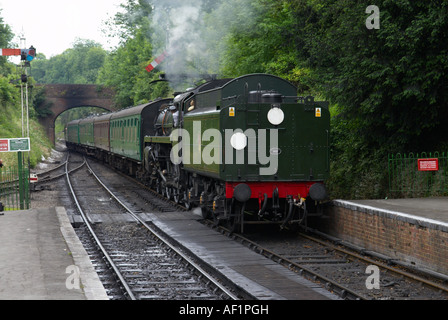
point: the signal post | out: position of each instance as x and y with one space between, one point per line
22 144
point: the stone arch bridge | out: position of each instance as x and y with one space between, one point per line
62 97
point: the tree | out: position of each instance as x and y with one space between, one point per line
77 65
6 36
124 68
392 80
389 84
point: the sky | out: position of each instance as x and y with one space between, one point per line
52 26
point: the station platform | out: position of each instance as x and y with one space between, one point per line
425 211
412 232
39 251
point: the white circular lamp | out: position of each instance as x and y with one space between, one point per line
276 116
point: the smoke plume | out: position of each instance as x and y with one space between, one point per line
194 33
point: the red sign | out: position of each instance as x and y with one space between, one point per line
430 164
33 178
4 145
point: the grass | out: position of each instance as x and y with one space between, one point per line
11 127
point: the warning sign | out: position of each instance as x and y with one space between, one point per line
15 145
4 145
430 164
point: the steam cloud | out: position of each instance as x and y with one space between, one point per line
177 27
194 33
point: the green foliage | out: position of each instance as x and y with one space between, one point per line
133 18
8 94
5 37
9 97
78 65
10 108
389 84
11 126
124 68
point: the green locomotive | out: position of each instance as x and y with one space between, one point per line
245 150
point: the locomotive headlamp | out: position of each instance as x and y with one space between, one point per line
238 141
276 116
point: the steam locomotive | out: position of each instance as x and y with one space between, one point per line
245 150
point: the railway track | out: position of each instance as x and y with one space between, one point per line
336 267
146 265
345 272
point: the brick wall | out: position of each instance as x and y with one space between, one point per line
418 242
62 97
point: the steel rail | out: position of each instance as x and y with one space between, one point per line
97 240
375 262
284 261
166 242
62 175
53 169
341 290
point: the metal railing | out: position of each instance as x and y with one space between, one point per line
14 188
418 174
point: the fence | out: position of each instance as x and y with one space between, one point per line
418 175
14 188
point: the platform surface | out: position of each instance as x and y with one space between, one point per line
263 278
39 251
432 211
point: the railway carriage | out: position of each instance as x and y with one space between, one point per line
101 132
86 136
127 131
72 133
